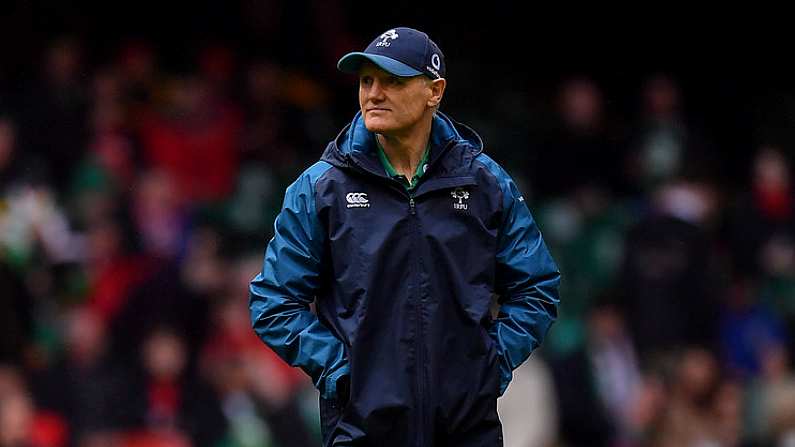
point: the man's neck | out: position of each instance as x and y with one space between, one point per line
405 151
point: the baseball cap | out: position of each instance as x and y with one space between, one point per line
400 51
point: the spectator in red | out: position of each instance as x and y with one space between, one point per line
764 218
195 137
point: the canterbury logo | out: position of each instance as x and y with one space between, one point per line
357 200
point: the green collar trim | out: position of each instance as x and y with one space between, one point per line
392 173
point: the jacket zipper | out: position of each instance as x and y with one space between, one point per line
418 344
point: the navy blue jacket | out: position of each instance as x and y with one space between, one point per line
403 283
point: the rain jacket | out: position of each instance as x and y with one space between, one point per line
402 343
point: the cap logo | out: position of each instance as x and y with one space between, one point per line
435 61
391 34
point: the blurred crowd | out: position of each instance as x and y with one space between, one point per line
136 201
134 209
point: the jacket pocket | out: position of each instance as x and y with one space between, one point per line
332 409
496 365
329 417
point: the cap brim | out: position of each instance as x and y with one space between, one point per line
351 62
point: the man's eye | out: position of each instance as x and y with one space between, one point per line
366 81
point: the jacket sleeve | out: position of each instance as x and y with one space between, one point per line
279 296
527 281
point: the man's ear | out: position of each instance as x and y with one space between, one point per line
437 91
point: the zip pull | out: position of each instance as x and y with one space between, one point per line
411 205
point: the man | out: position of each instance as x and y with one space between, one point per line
402 233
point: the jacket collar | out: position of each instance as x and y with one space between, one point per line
355 145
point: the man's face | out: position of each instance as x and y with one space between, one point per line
391 104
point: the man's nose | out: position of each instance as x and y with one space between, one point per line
375 92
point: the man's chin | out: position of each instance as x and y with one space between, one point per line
375 126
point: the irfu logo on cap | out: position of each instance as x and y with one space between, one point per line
391 34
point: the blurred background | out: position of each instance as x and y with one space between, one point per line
144 152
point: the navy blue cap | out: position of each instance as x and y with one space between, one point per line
400 51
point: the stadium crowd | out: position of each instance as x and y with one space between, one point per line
136 198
